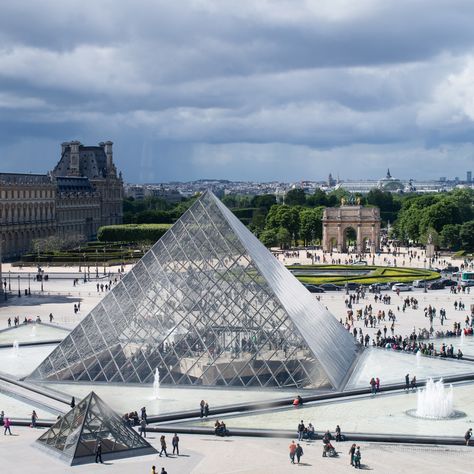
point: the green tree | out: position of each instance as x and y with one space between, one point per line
466 234
311 224
283 237
449 237
318 198
295 197
268 237
286 217
265 201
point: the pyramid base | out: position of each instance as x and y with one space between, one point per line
129 453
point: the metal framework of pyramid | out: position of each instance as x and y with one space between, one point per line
74 437
207 305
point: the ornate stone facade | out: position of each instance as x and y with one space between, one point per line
82 193
364 220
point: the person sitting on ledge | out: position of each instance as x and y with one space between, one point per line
220 429
310 432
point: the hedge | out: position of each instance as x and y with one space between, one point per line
132 232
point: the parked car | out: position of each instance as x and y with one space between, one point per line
449 282
379 286
401 287
436 285
330 287
418 284
360 262
451 269
314 288
351 286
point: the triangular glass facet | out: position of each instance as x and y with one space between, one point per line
207 305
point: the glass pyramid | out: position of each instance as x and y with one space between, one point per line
207 305
74 437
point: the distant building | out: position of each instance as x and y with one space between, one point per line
469 177
82 193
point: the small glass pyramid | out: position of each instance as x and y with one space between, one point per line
207 305
75 436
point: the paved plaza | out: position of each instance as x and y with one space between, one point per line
207 454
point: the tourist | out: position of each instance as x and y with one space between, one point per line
372 385
413 383
467 436
163 445
298 453
6 424
202 405
98 452
2 417
301 429
34 417
143 414
338 433
153 470
292 448
377 385
357 457
352 452
73 403
310 432
51 317
143 428
206 409
163 471
175 443
407 382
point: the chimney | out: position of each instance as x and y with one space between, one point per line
74 158
109 155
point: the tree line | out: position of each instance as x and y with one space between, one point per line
447 217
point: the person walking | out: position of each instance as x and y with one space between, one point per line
6 424
292 448
143 413
175 443
351 453
206 409
163 446
201 406
372 386
98 452
357 457
467 436
143 428
34 417
298 453
407 382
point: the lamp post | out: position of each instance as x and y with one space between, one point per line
9 281
42 279
104 260
29 287
5 288
19 291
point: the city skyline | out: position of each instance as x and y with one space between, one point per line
258 92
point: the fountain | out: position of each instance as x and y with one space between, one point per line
156 384
16 348
418 359
435 402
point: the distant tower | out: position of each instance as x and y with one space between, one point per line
469 176
331 181
389 176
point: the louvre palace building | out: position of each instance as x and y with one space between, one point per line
82 193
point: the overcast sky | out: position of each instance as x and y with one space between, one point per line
247 89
